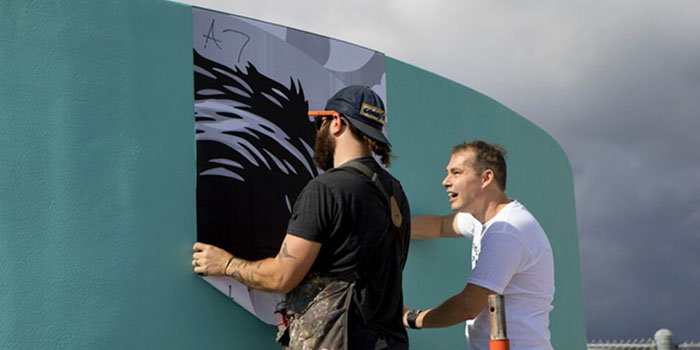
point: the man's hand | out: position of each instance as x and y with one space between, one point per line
209 260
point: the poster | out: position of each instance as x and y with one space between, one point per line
253 85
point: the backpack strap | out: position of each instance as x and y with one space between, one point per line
388 241
395 212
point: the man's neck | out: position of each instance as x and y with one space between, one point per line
491 207
349 150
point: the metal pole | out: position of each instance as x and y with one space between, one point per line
664 339
497 320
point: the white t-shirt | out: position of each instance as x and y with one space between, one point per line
511 255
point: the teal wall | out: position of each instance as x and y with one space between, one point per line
428 116
97 208
97 211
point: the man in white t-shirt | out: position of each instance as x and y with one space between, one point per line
511 254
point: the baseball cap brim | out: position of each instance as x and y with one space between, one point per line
371 131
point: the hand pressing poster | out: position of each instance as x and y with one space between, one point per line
254 83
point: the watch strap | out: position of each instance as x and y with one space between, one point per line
411 318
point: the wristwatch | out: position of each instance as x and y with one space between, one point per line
411 318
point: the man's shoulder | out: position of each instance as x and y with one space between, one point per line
349 179
520 224
375 167
351 172
337 177
517 214
336 182
515 218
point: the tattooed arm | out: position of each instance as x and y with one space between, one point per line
279 274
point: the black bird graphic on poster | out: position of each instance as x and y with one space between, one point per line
254 155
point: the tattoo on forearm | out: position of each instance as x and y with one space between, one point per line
242 268
252 280
285 253
237 275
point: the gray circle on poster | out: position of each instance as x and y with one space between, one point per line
317 47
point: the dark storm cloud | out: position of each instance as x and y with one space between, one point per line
629 126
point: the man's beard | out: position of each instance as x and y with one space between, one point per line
324 149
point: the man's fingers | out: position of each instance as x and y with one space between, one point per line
198 247
207 259
200 270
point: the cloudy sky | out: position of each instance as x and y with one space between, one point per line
617 83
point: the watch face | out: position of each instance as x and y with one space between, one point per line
411 318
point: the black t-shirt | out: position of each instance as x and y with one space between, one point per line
344 211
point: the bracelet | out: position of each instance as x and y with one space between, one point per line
227 264
411 318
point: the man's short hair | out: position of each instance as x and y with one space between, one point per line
487 156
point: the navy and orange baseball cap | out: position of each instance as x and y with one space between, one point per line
362 107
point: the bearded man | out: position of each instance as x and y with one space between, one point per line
341 260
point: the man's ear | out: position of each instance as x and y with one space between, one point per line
336 127
487 177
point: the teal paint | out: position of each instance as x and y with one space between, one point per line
97 216
428 115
